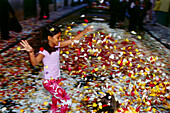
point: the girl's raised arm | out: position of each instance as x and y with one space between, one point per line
34 60
77 37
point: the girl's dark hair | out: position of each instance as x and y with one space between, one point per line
41 39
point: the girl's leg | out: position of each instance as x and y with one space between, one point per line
59 95
54 107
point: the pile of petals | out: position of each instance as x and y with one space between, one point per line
114 62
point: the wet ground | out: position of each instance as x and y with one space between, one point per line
108 64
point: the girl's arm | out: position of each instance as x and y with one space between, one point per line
34 60
77 37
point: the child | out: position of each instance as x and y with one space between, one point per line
49 54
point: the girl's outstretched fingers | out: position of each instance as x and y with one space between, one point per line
26 46
89 29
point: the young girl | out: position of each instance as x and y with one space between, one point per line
49 53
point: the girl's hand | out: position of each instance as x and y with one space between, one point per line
88 29
26 46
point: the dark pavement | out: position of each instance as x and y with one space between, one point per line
160 33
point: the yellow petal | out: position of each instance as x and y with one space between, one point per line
138 66
21 110
67 52
100 107
96 69
139 37
136 50
129 47
86 87
127 40
88 105
149 108
18 48
119 62
138 53
98 58
115 47
45 103
94 105
103 67
124 77
130 64
84 24
61 51
81 95
94 35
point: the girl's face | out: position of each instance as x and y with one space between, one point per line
55 39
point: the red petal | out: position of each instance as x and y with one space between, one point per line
85 20
132 94
90 44
128 81
78 32
129 74
137 109
105 105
